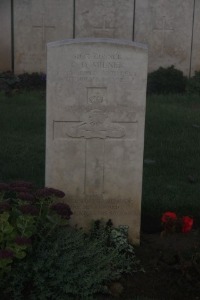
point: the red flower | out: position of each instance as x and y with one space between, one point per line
187 224
168 216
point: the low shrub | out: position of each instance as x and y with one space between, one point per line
193 86
26 214
166 81
72 264
32 81
10 83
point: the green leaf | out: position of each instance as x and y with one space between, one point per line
26 225
4 217
20 254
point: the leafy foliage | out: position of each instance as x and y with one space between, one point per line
26 214
72 264
166 81
10 83
32 81
193 86
117 238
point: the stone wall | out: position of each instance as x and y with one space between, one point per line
171 29
104 18
37 22
166 26
5 36
195 57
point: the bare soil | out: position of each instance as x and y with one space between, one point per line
171 269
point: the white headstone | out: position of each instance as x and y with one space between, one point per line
166 26
96 95
104 18
37 22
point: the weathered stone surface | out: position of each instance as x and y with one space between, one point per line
195 66
104 18
95 128
166 26
5 35
37 22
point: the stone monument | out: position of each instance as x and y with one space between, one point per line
104 18
37 22
166 26
96 95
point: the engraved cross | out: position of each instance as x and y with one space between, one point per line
43 27
96 127
106 28
96 124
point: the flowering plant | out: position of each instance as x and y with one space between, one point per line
27 214
173 223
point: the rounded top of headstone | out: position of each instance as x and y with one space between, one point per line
121 42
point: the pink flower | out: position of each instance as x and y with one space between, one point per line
5 206
29 210
187 224
49 192
4 186
168 216
62 209
21 183
20 189
57 193
22 241
6 254
26 196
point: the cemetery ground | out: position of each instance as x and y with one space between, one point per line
171 182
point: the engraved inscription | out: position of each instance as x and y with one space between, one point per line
96 55
96 203
95 127
97 95
98 66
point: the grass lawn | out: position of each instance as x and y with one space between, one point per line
171 156
172 141
22 136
